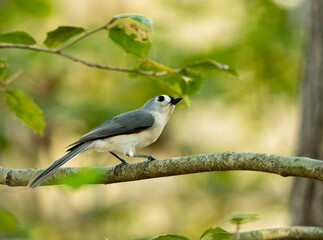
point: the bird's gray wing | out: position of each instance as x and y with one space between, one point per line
126 123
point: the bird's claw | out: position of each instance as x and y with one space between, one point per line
117 167
144 164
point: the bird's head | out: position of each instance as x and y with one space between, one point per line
163 104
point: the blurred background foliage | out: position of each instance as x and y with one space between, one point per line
262 40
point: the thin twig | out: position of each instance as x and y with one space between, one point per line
6 82
28 47
96 65
13 77
84 35
84 62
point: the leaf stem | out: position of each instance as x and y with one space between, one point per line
237 231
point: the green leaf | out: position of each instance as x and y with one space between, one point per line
8 221
240 218
194 81
61 34
24 108
131 32
216 234
3 69
17 37
170 237
177 84
210 64
86 176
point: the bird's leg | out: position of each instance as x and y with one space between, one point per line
123 162
149 159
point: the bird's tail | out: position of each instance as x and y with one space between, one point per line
51 169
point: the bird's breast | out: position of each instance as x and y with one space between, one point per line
128 143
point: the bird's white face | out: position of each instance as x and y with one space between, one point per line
164 104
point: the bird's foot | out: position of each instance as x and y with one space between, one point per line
144 164
118 167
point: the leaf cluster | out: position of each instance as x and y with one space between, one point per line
129 31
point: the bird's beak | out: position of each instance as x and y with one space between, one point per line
174 101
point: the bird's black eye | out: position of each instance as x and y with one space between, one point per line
161 98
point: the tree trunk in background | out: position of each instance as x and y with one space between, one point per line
306 202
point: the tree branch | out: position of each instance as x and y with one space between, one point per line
288 233
74 59
229 161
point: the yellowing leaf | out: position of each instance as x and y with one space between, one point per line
166 76
176 83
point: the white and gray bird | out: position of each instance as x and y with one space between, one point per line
123 134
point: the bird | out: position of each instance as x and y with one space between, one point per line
123 134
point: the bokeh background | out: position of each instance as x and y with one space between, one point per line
262 40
